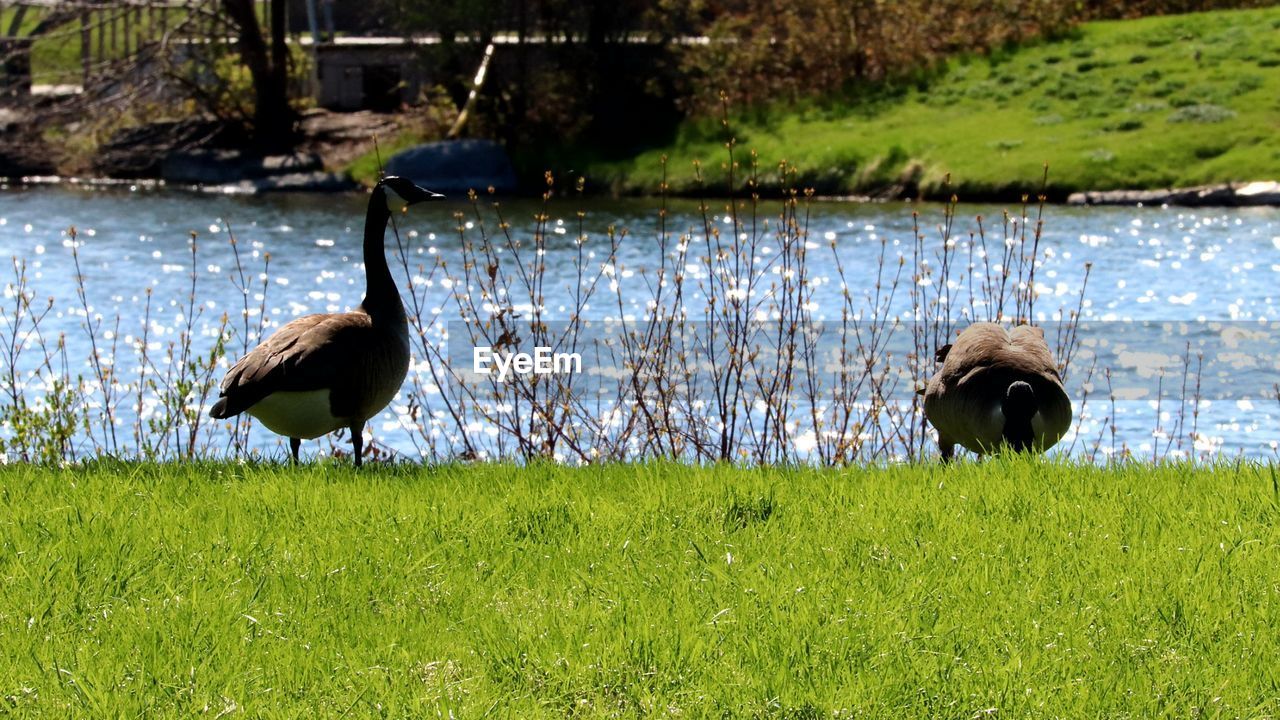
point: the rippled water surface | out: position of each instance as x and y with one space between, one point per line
1158 278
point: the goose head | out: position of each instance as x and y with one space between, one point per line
406 190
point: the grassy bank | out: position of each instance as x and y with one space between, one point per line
1013 587
1150 103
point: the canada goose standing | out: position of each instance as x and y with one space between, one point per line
320 373
997 387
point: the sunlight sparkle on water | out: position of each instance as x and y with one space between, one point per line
1197 270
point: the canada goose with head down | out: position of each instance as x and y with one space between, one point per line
321 373
997 388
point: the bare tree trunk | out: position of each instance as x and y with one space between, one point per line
274 119
15 66
279 50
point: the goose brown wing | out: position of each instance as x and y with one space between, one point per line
305 354
1021 352
1034 357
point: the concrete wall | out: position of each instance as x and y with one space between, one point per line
366 76
352 73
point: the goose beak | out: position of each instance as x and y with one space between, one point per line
407 191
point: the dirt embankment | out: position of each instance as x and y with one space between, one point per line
191 151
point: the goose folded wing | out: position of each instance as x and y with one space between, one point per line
306 354
1033 350
973 373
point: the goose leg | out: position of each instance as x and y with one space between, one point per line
357 442
294 444
947 448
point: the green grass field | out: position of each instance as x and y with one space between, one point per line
1011 588
1157 102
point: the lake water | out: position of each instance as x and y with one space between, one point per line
1164 285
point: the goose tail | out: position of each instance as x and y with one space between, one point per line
1019 406
220 411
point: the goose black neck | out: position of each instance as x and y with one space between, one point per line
381 298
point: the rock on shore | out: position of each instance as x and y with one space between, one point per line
22 150
238 172
200 153
453 166
1223 195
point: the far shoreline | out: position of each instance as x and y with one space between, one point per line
1257 193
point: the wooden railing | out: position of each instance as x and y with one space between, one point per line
107 34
